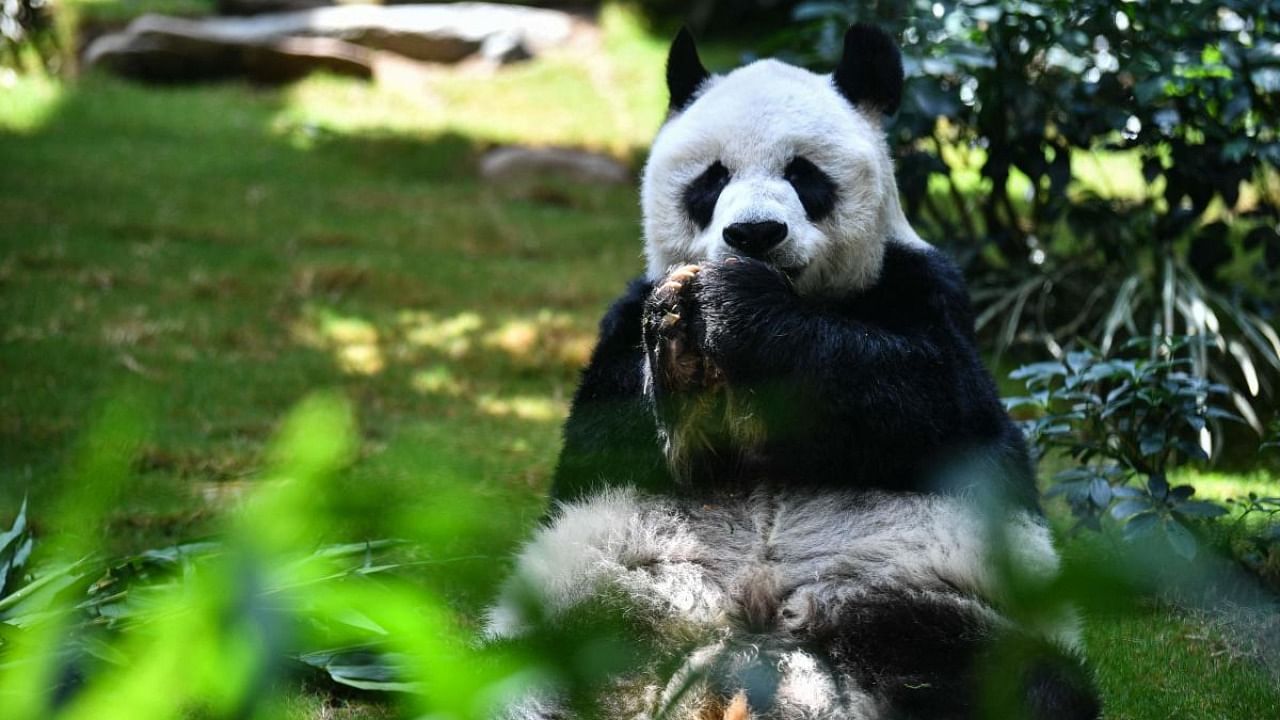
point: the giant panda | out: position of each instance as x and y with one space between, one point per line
785 466
791 322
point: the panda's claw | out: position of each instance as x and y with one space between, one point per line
676 353
670 293
684 273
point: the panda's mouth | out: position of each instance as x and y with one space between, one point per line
785 260
782 259
791 271
785 263
786 266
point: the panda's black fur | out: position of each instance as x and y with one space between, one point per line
883 389
795 490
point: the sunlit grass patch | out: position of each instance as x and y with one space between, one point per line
1227 486
352 340
438 380
545 339
453 336
27 101
326 103
466 343
525 407
608 95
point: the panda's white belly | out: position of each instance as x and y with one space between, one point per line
745 571
703 561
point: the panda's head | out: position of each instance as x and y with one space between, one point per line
774 162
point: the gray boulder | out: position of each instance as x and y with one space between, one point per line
161 48
259 7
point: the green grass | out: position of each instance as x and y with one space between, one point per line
183 241
1225 486
222 251
119 12
1159 664
610 100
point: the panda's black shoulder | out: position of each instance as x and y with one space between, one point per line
610 432
627 304
620 325
918 271
915 282
613 369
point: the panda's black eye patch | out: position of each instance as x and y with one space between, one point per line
817 191
700 196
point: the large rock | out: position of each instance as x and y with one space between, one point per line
155 47
164 49
259 7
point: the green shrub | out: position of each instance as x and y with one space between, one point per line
1125 423
1255 536
1105 169
27 34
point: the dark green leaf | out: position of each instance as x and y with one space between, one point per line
1152 444
1158 486
1140 525
1100 492
1036 370
15 548
1014 403
1180 538
363 669
1129 508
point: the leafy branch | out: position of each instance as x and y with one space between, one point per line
1125 423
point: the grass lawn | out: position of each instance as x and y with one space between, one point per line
222 251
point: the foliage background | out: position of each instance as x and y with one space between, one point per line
1107 168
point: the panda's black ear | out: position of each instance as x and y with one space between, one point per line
870 70
685 72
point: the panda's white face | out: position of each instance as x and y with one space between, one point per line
771 161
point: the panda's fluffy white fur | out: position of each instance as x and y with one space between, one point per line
839 559
755 120
756 593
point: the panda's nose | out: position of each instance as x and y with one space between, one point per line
755 238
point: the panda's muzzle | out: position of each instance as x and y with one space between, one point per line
755 239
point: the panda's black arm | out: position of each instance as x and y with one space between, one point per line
765 337
611 437
871 388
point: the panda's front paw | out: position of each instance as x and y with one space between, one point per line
742 285
671 339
